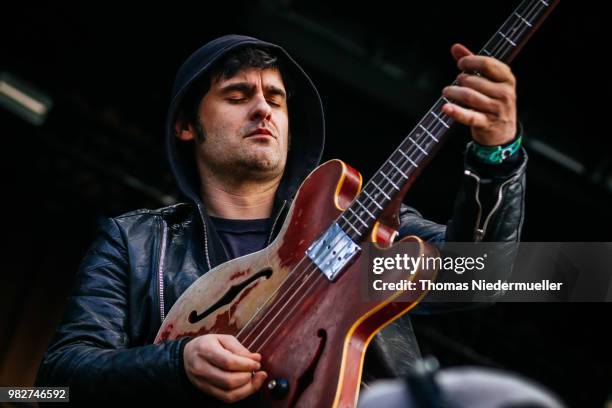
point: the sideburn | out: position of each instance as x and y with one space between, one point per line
200 137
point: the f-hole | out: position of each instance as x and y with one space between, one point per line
229 296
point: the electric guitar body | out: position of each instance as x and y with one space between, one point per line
311 332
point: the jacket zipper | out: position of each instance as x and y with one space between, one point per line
205 238
479 233
160 273
162 256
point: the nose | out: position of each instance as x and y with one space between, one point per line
261 109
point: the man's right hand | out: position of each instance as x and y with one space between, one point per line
220 366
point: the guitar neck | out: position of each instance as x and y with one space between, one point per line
399 171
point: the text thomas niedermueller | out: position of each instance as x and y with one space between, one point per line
480 284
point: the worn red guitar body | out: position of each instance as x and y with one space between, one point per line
314 335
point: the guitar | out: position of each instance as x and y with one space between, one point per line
299 301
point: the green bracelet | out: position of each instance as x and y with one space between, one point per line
495 154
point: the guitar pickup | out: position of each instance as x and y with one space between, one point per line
332 251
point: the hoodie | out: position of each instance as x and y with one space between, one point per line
306 121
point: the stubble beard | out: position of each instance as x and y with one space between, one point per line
260 165
248 163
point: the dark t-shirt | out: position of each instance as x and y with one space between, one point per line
242 237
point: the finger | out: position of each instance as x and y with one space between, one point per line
466 116
225 380
258 379
459 51
237 394
492 89
228 361
471 98
232 344
490 67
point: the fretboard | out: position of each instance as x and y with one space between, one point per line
417 149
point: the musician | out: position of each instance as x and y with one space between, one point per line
244 128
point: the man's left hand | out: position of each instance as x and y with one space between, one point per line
485 102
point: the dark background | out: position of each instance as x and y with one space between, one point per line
109 71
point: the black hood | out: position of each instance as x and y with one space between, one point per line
306 120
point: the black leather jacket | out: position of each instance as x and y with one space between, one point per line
142 261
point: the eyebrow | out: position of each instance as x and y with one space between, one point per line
248 89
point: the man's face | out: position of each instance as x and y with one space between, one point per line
245 123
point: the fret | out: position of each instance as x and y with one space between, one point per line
381 190
523 19
440 120
486 52
399 170
372 200
389 180
408 158
358 217
507 39
428 132
543 2
418 146
351 225
365 208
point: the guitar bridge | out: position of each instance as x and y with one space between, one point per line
332 251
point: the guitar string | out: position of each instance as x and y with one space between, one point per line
310 272
502 46
513 29
307 272
295 280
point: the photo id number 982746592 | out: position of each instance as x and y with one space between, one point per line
34 394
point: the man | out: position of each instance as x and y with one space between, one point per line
244 128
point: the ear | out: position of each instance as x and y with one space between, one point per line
183 130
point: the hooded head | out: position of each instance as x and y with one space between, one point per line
305 114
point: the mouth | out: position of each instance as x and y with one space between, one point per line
260 132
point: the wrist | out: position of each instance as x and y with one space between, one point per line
183 362
496 154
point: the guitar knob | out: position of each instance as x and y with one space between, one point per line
278 388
